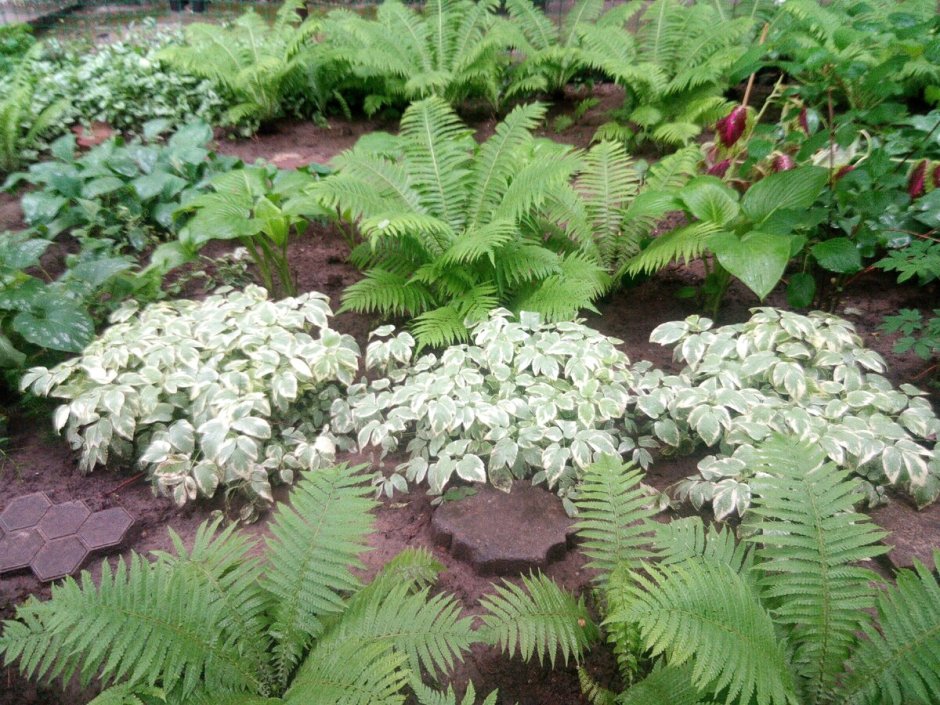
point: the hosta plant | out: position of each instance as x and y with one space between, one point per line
449 50
231 391
454 229
790 615
783 372
525 399
212 623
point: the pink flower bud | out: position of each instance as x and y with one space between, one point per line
916 183
804 123
731 127
719 169
783 162
843 170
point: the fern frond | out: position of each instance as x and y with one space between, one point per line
428 630
708 616
689 538
413 567
532 183
537 28
350 673
897 663
143 624
613 511
579 281
812 541
313 542
522 262
665 684
606 183
484 241
435 146
686 243
428 696
433 235
675 170
124 694
595 693
537 618
387 293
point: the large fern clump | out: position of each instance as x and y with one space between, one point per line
675 64
448 50
214 624
262 66
453 229
788 616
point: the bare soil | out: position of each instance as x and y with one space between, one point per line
37 460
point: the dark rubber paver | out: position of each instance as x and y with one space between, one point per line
63 519
58 558
24 511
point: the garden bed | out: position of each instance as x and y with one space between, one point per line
38 461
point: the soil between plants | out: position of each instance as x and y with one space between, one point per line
38 461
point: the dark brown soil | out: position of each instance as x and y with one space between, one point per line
38 461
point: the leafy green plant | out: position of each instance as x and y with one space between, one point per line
15 42
122 83
523 399
674 67
449 51
452 228
920 259
22 129
208 625
259 206
230 391
785 616
750 237
782 372
919 334
257 63
119 194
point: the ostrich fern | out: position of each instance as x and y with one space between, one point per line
674 67
783 617
215 625
448 51
258 64
452 229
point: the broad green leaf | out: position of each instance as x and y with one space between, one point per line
708 198
10 357
41 207
65 327
102 186
796 188
801 290
839 255
757 259
471 469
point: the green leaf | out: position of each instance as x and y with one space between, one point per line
801 290
152 185
708 198
64 327
101 187
797 188
838 255
10 357
757 259
41 207
471 469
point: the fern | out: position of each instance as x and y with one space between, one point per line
537 619
204 626
813 567
455 228
450 50
613 511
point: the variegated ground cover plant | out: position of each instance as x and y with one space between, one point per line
524 399
783 372
230 391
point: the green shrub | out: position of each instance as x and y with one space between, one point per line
455 229
231 391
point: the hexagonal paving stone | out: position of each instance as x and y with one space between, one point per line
58 558
63 519
24 511
105 528
17 549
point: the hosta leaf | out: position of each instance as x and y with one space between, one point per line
757 259
796 188
64 327
708 198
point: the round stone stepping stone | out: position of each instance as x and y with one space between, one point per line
501 533
17 548
58 558
63 519
24 511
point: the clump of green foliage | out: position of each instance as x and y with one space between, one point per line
449 50
786 616
231 391
782 372
208 625
453 229
523 400
256 63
